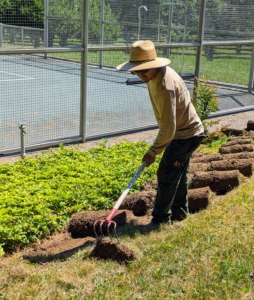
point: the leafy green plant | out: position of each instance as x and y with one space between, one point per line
204 100
38 195
1 251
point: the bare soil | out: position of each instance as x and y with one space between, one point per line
62 245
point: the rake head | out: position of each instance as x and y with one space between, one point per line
108 222
102 224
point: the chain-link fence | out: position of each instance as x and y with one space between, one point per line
63 85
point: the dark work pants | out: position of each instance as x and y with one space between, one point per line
172 194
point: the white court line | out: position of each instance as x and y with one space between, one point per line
24 77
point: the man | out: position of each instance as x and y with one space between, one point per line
180 130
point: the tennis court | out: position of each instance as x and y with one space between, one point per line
44 94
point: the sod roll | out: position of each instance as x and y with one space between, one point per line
199 199
236 149
219 182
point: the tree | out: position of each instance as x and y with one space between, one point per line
111 32
29 13
67 23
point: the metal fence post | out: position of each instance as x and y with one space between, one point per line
46 25
84 59
1 35
22 142
251 79
101 31
22 37
200 40
170 20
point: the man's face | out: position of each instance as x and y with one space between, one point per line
147 75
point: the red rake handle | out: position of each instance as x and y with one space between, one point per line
125 192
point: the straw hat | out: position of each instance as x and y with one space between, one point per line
142 57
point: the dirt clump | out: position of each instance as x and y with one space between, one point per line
245 166
199 199
250 125
206 158
236 141
196 154
251 134
232 138
219 182
240 155
236 148
112 249
233 131
139 203
199 167
81 224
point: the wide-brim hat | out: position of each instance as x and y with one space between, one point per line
143 57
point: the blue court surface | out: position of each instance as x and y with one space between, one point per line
44 94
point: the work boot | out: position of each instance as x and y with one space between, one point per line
179 217
155 225
152 225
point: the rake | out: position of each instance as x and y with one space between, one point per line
108 221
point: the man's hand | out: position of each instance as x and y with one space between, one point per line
148 159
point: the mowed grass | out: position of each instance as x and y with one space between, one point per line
207 256
231 68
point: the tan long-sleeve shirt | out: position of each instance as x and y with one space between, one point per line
173 110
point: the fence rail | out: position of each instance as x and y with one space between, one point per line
11 33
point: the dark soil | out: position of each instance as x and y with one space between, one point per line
206 158
245 166
240 155
236 148
250 125
111 249
233 131
81 224
219 182
199 199
62 245
236 141
140 203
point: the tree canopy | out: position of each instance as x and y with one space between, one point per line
65 16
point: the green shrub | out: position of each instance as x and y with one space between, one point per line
204 100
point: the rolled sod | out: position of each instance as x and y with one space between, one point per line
140 203
219 182
239 141
199 199
250 125
245 166
236 149
81 224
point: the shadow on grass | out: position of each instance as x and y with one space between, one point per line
41 258
130 229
